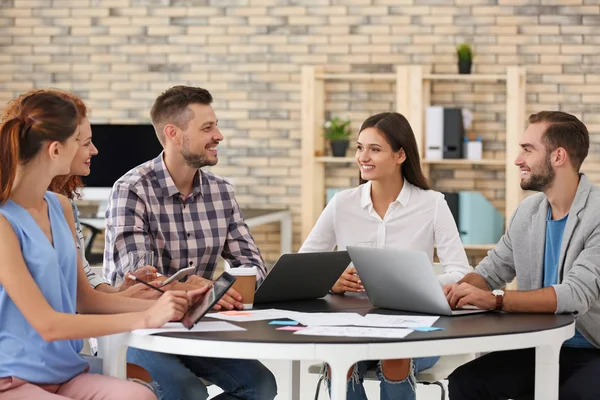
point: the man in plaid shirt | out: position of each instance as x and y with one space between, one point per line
185 217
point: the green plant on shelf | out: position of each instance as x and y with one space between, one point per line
464 52
337 129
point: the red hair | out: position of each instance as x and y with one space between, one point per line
29 121
69 185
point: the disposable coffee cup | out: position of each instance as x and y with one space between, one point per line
245 284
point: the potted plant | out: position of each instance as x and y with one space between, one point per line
465 58
337 131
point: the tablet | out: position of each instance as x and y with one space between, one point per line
208 301
179 275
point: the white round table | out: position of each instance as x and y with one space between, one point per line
461 334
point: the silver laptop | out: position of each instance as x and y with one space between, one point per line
401 280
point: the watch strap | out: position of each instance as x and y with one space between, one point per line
499 302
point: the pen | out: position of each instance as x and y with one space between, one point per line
132 277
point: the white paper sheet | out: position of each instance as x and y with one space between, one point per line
326 319
203 326
370 320
398 321
253 315
353 331
331 319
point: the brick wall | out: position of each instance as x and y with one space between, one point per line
120 54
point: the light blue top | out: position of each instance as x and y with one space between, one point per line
554 236
23 352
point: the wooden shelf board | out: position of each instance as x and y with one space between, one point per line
465 77
464 162
483 247
358 77
345 160
335 160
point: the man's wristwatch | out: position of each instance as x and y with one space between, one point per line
499 299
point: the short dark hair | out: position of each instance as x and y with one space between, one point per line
171 107
565 131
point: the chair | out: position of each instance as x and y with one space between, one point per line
92 258
431 376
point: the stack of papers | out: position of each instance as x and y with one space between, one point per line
353 331
204 326
330 319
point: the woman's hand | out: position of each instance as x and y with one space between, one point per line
146 274
140 291
197 294
348 282
169 307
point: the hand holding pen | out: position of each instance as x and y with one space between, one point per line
134 278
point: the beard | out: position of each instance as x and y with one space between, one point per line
195 160
540 181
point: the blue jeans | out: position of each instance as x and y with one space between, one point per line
388 390
177 376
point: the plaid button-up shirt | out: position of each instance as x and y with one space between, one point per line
146 212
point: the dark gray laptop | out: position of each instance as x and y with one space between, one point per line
302 276
401 280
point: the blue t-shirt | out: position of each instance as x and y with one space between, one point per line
554 236
53 267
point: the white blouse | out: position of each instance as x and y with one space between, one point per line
418 220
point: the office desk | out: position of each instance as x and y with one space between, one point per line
464 334
252 217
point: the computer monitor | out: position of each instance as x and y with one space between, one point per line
120 148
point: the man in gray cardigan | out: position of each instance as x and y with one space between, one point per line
552 247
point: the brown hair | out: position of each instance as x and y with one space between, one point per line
69 185
398 133
565 131
30 120
171 107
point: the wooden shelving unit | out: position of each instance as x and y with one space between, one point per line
413 95
464 162
419 92
480 247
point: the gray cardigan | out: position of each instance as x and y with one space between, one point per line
520 252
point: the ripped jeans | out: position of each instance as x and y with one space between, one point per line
388 390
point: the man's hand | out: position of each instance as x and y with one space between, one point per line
197 280
231 300
465 294
449 288
348 282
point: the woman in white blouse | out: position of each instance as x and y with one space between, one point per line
392 207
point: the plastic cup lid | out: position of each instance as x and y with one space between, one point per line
243 271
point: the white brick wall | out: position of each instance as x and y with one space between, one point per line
120 54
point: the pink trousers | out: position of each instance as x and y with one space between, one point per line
85 386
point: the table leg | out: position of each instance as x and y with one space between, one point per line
546 371
295 379
286 234
113 351
339 381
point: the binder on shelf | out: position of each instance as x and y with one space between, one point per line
444 133
454 132
330 193
452 200
478 220
434 133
